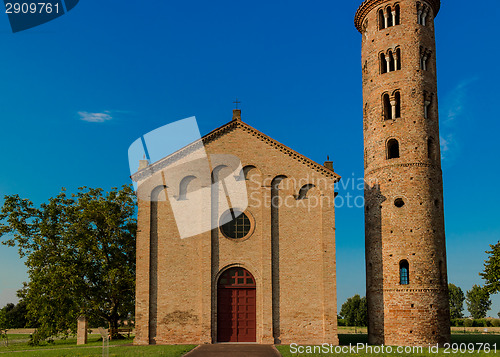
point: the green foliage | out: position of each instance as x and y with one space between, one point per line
80 252
468 322
457 322
479 323
491 273
340 322
478 302
355 311
3 320
457 299
13 316
495 322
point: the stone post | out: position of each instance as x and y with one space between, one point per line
81 337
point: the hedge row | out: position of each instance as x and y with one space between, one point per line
458 322
475 322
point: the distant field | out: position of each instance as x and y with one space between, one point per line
476 330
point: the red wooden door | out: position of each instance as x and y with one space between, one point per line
236 307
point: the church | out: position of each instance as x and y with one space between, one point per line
243 249
263 268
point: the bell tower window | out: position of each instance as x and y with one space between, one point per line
425 56
396 105
390 61
397 15
404 272
427 104
392 149
387 107
398 59
383 64
431 149
422 14
381 20
388 17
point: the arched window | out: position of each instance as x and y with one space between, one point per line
427 104
304 190
404 272
392 149
425 56
398 59
397 109
425 14
389 17
419 13
387 107
236 277
392 66
431 148
183 186
244 172
381 19
364 27
422 14
397 19
383 64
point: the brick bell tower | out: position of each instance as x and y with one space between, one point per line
406 279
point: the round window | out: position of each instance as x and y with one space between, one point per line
399 203
235 224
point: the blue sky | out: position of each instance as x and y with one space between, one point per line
76 92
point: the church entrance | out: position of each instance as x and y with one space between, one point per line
236 306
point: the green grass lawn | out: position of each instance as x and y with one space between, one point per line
20 342
59 351
18 346
67 347
346 339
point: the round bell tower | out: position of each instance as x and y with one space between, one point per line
407 285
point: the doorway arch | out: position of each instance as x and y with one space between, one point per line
236 306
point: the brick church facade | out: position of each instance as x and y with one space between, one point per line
267 276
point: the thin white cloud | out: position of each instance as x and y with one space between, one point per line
455 102
455 106
449 146
95 117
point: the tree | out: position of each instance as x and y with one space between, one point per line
478 302
457 299
355 311
80 252
491 273
13 316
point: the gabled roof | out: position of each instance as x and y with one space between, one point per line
221 131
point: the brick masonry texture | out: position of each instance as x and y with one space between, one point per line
177 278
416 313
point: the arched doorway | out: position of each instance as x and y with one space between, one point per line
236 306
